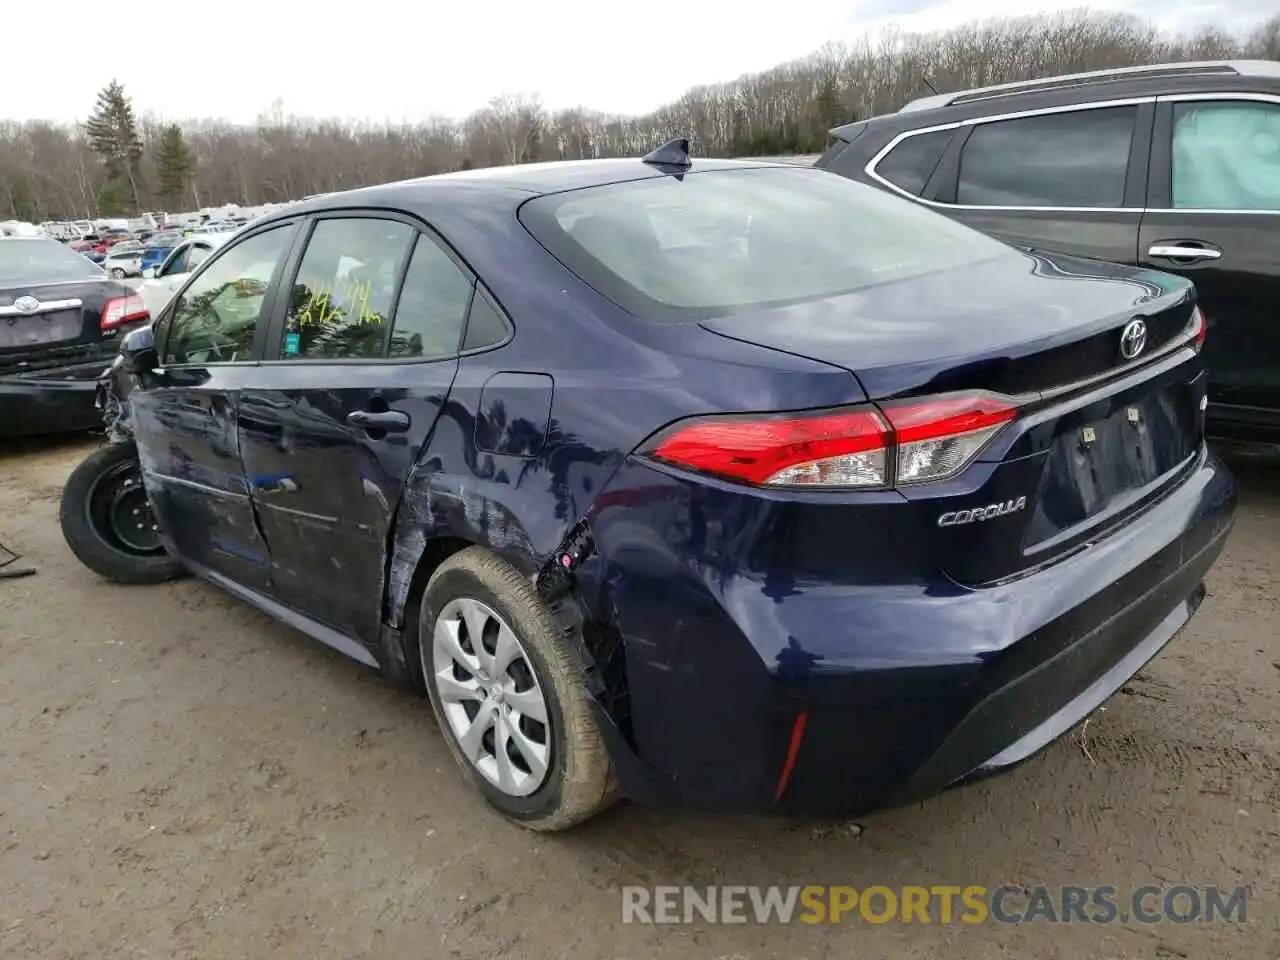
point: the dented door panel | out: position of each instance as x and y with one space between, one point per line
186 434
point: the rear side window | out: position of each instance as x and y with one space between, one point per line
1226 156
1076 159
432 307
727 241
911 163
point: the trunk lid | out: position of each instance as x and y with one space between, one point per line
55 324
1099 436
1016 324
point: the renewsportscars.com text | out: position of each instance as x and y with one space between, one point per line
935 904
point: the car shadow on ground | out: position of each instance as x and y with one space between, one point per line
43 445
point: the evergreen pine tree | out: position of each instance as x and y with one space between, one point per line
175 165
113 135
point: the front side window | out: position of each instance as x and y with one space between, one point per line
911 163
177 262
214 319
1076 159
341 302
1226 156
728 241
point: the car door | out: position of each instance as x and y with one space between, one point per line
1066 180
363 353
1214 217
209 340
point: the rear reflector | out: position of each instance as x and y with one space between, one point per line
123 310
1199 328
860 447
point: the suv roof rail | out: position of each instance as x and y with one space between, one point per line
1245 68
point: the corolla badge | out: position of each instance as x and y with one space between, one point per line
978 514
1133 339
26 304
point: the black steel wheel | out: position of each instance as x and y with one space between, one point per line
107 520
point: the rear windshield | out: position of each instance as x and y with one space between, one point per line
42 261
728 241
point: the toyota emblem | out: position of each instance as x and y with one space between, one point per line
26 304
1133 340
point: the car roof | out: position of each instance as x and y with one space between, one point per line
1156 72
512 184
215 239
1064 90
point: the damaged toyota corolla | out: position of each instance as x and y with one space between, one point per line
727 484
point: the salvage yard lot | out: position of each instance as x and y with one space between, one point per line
183 778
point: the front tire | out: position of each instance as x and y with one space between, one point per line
107 522
508 691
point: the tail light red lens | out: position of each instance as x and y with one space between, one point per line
123 310
829 449
861 447
1199 328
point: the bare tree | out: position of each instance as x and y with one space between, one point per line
50 171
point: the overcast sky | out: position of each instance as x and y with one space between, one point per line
409 59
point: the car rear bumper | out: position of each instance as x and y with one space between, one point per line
59 400
839 698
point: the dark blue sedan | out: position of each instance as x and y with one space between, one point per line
728 484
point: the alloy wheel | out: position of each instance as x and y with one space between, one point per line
490 696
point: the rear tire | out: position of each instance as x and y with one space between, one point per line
107 521
554 772
117 273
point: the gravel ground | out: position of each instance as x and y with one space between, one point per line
184 778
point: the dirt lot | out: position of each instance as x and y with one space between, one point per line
183 778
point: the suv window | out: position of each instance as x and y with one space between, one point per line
345 289
1076 159
911 163
432 306
1226 156
214 319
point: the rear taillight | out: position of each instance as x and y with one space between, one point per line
1199 329
897 443
123 310
938 437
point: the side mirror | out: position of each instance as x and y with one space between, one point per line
150 273
138 350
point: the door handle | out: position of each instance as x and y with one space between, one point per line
1183 251
392 421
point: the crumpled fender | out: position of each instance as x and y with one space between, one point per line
114 387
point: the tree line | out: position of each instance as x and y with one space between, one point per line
117 162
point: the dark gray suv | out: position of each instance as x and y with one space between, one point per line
1174 167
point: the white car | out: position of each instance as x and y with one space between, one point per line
124 260
160 283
